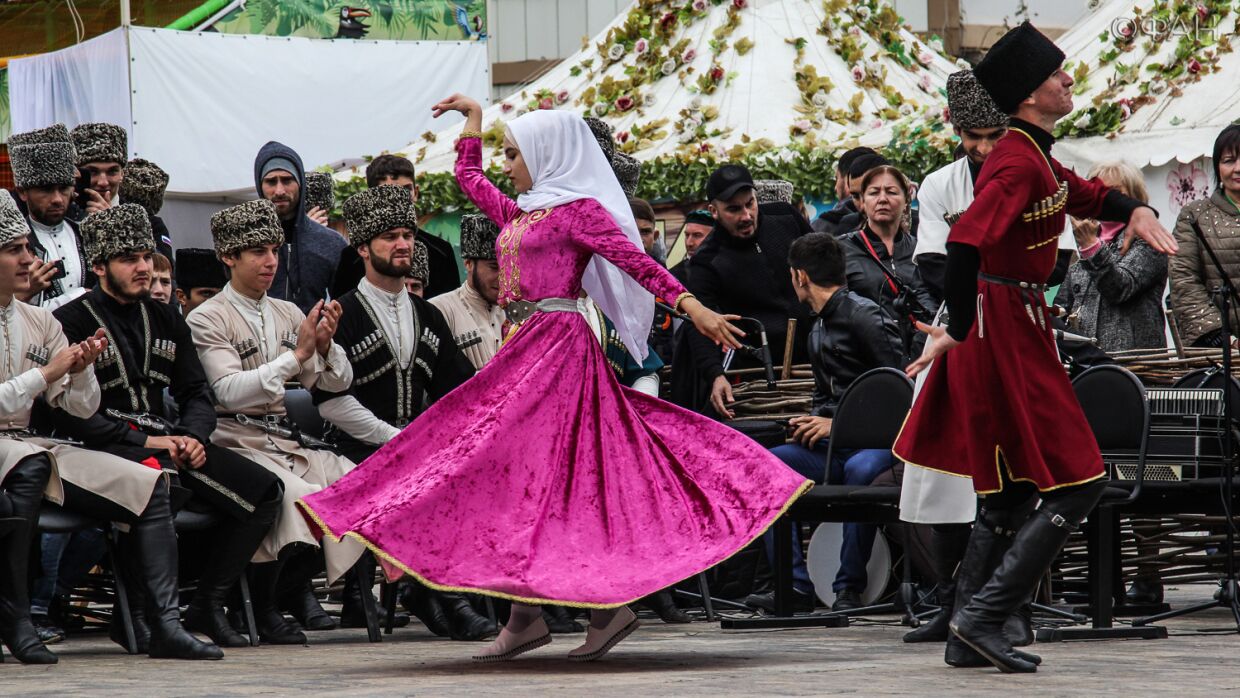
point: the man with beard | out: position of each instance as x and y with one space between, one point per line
150 350
403 358
102 153
697 226
444 274
741 269
250 346
472 312
109 488
43 169
308 257
199 276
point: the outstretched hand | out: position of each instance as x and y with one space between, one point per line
1144 224
937 344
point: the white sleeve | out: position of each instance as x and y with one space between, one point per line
932 227
18 392
235 388
1067 239
81 393
355 420
648 385
62 299
333 374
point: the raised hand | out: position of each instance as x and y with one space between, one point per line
1144 224
329 319
463 104
936 346
91 348
60 363
307 334
718 328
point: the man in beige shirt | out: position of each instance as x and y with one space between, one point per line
472 312
251 345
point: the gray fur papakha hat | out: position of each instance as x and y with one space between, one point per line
42 158
370 213
970 105
144 184
772 190
420 263
628 171
319 190
478 235
603 134
240 227
116 231
12 222
100 142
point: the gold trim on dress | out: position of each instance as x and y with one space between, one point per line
374 548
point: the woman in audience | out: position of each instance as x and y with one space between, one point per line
1110 294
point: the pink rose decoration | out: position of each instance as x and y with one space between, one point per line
1202 12
561 96
641 46
1194 66
624 103
739 4
858 73
689 56
623 136
545 103
716 73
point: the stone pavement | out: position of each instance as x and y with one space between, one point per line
696 659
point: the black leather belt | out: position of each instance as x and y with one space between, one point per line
1027 285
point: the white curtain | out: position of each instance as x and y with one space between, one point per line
82 83
204 102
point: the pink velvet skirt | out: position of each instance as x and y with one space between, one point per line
542 480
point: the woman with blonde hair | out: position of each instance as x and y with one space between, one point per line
1112 295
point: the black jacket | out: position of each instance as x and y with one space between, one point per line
852 335
310 252
133 373
867 279
746 277
838 220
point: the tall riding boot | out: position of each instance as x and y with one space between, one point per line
980 622
423 603
948 542
130 569
23 490
296 594
466 623
233 545
155 542
272 628
988 543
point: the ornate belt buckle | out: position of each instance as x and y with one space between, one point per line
518 312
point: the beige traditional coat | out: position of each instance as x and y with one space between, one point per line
246 348
29 337
477 326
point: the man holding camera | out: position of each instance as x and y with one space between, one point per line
43 164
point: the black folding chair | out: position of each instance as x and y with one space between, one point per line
870 414
1115 406
56 519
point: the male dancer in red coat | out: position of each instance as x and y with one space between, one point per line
998 406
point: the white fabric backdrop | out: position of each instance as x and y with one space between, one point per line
203 103
86 82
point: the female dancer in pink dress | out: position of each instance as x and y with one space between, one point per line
542 480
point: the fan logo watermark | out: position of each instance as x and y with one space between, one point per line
1129 28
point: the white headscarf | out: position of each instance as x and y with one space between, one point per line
567 164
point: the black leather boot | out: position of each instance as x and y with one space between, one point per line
358 581
233 545
23 491
466 623
296 594
273 629
980 622
991 537
155 542
423 603
662 604
948 542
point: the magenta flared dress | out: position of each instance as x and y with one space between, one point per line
542 479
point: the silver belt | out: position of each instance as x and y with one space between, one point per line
520 311
279 425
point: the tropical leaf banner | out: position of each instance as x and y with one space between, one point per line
402 20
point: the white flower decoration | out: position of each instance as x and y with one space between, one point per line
695 104
924 58
924 83
668 67
863 12
649 99
687 136
599 109
803 125
906 109
937 44
616 52
820 99
1082 121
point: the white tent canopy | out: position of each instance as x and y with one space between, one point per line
1173 118
770 89
201 104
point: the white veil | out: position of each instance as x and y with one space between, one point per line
567 164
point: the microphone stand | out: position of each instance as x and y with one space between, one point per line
762 352
1227 596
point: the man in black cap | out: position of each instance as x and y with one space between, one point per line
43 168
830 221
150 350
310 251
741 269
696 228
199 276
995 384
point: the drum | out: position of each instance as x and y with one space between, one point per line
766 432
823 561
